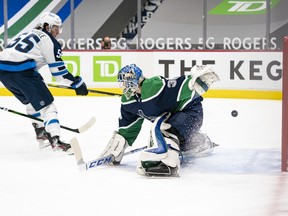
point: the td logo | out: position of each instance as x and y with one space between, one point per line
72 64
240 7
105 68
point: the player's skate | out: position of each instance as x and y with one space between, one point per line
58 145
200 146
41 136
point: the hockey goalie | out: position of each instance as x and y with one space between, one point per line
174 106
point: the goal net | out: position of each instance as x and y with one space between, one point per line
284 160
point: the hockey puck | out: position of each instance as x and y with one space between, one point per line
234 113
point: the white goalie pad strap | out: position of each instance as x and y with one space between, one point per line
165 126
172 157
150 156
115 147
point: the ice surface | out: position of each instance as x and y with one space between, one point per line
241 178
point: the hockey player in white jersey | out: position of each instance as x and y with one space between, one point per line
19 64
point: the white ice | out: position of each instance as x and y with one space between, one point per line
241 178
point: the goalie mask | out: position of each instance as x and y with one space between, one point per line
51 19
129 79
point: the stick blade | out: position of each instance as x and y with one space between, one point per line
87 125
77 153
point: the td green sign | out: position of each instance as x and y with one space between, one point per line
242 7
105 68
72 64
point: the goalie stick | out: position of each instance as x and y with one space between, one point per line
82 165
89 90
81 129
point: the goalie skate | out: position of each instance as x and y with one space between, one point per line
162 170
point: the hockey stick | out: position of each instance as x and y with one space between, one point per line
82 165
89 90
81 129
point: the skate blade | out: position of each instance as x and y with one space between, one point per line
140 171
43 145
61 152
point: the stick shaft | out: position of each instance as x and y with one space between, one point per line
37 119
82 165
89 90
110 158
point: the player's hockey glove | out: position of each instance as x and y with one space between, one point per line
79 86
115 147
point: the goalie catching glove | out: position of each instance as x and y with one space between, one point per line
202 78
79 86
115 147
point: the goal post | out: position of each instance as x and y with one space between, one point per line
284 157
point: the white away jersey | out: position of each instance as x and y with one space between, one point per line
33 49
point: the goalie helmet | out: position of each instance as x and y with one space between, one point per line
129 78
51 19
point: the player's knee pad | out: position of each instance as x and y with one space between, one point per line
51 121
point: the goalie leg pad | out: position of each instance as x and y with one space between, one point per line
162 159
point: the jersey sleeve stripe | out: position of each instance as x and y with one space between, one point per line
56 64
60 73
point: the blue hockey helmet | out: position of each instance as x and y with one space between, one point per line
129 78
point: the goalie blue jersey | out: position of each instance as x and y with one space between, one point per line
158 95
